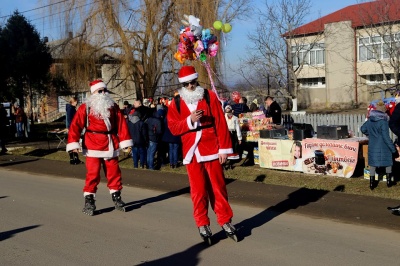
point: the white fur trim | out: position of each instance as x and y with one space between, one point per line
101 154
89 193
72 146
97 86
225 151
125 144
189 123
113 190
188 78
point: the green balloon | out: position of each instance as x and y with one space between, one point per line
203 57
217 25
226 27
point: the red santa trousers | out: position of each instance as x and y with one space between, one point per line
111 171
207 184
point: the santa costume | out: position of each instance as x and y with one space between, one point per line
202 142
106 132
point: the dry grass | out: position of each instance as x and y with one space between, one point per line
355 185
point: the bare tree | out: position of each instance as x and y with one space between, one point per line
141 34
379 41
278 52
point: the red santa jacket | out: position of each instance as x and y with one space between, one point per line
206 138
103 137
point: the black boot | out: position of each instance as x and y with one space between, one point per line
389 182
371 182
119 204
90 207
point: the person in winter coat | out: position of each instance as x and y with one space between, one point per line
254 106
106 132
236 136
380 147
70 110
139 133
173 145
155 129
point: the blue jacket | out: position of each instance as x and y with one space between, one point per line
380 146
70 113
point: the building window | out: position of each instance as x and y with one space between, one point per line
378 47
312 83
378 79
308 54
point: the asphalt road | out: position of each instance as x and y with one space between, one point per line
42 224
337 206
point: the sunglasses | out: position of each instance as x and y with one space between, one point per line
193 82
101 91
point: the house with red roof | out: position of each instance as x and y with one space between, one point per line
346 58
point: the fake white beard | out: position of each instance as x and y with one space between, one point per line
191 97
100 105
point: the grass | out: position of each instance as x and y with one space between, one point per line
354 185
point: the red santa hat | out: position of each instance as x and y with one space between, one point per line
97 84
187 73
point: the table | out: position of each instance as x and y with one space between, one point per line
61 135
317 156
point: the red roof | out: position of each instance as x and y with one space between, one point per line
360 15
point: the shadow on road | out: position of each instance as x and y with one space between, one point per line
187 257
8 234
130 206
8 163
300 197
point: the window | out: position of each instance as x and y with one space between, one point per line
308 54
312 83
378 47
378 79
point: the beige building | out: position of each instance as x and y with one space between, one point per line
347 58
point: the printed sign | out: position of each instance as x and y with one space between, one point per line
280 154
330 157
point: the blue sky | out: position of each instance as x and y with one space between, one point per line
234 46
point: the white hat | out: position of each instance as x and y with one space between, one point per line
187 73
97 84
228 109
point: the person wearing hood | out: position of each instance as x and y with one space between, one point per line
254 105
381 149
140 137
155 129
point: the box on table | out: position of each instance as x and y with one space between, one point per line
272 133
332 132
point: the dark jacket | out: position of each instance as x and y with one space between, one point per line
380 146
155 127
70 112
167 135
275 112
394 122
253 107
240 108
138 131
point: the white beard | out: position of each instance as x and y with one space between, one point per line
100 105
191 97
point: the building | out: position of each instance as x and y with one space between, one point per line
347 58
76 65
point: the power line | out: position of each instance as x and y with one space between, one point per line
36 8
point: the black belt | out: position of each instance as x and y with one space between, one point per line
100 132
232 131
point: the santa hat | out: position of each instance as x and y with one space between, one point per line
187 73
97 84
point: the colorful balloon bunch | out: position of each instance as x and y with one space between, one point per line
196 42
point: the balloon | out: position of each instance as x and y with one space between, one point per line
198 47
203 57
213 49
236 96
226 27
217 25
179 58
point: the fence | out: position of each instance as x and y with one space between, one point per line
353 121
